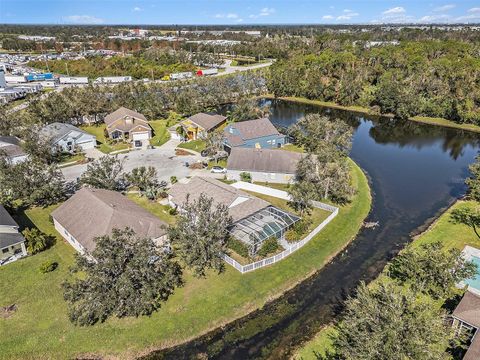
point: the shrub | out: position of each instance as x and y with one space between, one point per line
36 240
239 247
269 246
172 211
245 176
48 266
291 236
173 179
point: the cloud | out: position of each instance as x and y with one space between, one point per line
327 17
343 17
347 15
263 12
83 19
228 16
444 8
394 11
434 18
469 18
137 9
474 10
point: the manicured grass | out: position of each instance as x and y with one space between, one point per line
292 147
41 329
444 230
66 158
154 207
160 132
98 131
196 145
421 119
283 187
221 163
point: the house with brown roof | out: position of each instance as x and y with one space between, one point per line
254 219
259 134
91 213
466 318
128 125
199 125
264 165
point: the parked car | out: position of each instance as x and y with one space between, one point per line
218 170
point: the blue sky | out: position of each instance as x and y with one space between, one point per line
237 11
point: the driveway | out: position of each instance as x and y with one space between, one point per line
162 158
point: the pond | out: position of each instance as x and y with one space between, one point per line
415 171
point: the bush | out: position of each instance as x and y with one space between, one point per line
269 246
36 240
48 266
245 176
172 211
291 236
239 247
173 179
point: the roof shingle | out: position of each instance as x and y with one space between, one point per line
263 160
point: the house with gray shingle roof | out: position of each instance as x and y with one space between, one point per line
254 219
91 213
264 165
259 134
466 318
67 138
12 243
11 150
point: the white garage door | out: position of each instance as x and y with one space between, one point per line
141 136
87 145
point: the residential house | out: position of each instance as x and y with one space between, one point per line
199 125
12 243
466 318
264 165
91 213
67 138
11 150
128 125
254 219
259 133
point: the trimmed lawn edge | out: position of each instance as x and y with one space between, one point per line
362 110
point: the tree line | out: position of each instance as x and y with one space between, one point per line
426 78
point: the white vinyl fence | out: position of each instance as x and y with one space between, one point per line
292 248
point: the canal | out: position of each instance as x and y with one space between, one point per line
415 172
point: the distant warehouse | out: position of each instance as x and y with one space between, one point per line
112 79
264 165
73 80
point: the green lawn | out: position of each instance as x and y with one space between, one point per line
98 131
292 147
160 132
196 145
66 158
155 208
41 329
450 234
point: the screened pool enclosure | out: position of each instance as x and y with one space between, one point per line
268 222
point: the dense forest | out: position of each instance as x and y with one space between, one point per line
154 100
426 78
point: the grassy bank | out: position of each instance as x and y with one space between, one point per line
363 110
40 328
449 234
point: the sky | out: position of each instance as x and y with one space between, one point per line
232 12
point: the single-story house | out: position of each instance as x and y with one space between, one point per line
264 165
254 219
128 125
91 213
466 318
199 125
67 138
12 151
259 133
12 243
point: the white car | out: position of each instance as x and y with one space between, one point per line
218 170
